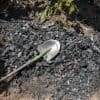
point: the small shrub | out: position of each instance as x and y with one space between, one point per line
60 6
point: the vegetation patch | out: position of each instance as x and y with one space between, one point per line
46 9
59 7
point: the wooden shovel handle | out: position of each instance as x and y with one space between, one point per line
24 65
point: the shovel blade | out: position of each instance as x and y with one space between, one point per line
53 46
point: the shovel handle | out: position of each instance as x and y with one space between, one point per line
24 65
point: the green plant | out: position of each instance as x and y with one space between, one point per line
66 6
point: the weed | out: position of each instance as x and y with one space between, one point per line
60 6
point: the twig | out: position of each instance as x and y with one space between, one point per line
24 65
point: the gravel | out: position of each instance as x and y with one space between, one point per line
75 72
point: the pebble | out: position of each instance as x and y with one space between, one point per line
73 77
19 54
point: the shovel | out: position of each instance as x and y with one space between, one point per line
48 50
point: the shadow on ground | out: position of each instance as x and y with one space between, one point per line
89 13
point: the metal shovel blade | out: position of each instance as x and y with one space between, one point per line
53 45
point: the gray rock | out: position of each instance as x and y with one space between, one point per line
97 2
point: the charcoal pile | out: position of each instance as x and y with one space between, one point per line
74 74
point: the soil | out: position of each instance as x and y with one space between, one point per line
74 74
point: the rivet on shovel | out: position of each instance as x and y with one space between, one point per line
48 50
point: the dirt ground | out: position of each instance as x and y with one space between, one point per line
73 75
